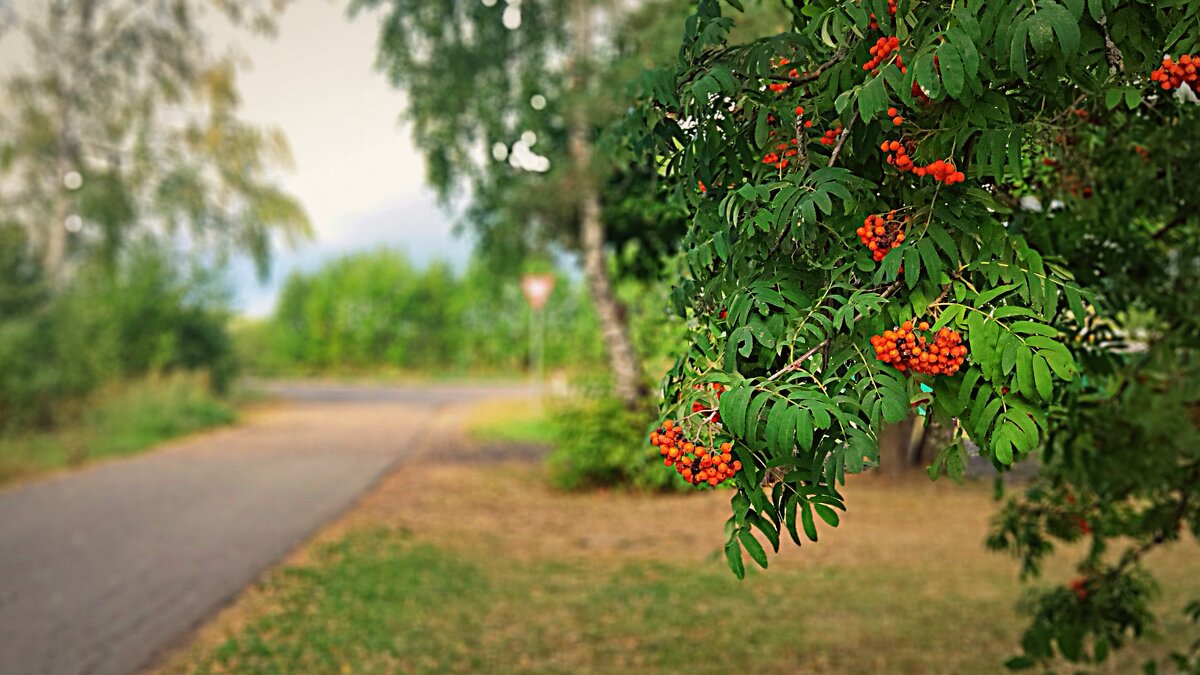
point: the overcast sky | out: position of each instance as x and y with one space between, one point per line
356 171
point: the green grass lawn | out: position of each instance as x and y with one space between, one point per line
386 599
503 422
121 420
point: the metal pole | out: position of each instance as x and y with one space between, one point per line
540 333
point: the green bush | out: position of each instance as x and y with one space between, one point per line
599 443
146 314
377 310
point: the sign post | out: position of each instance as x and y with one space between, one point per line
537 289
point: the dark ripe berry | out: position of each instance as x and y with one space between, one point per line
882 233
697 464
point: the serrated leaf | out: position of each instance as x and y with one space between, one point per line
733 404
789 518
1065 26
966 49
1024 382
780 427
912 266
872 99
767 528
1018 61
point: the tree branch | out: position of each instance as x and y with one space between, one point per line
1116 62
1162 231
796 363
812 75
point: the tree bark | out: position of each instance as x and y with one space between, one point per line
895 442
54 248
623 361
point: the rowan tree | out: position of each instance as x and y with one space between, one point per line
981 212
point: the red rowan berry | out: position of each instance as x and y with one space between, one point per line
1173 75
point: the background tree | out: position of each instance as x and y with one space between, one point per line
506 102
126 179
1010 173
125 127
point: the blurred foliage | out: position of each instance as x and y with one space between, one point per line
126 126
127 179
118 419
376 310
154 312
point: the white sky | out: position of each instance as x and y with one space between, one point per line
356 172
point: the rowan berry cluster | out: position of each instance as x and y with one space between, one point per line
881 50
779 157
874 25
1079 588
1175 74
905 349
831 135
881 234
696 463
939 170
780 87
897 119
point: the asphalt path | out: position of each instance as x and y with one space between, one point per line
103 569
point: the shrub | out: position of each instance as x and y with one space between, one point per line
600 443
147 314
127 416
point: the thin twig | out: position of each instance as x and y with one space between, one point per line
796 363
1162 231
837 149
812 75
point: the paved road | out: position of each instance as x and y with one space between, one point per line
102 569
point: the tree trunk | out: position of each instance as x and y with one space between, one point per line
54 247
895 442
623 362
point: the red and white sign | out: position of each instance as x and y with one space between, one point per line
537 289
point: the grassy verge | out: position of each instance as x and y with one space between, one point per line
122 419
503 422
479 569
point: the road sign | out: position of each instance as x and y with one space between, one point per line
537 289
